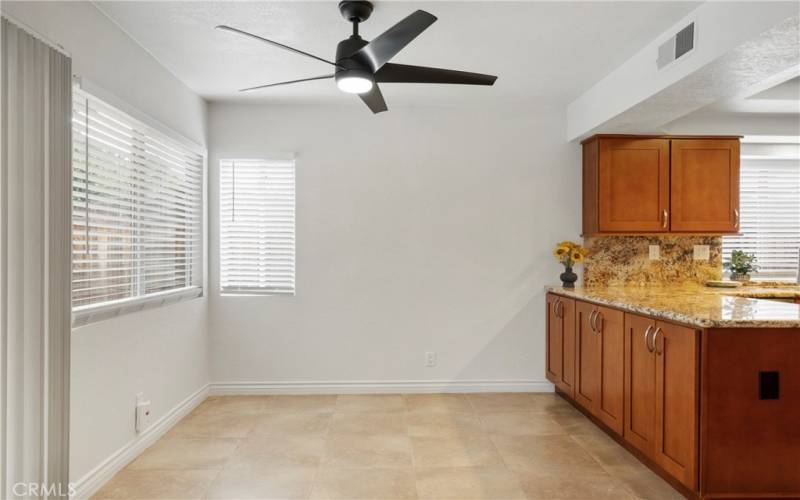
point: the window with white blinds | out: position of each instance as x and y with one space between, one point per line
137 200
257 227
770 207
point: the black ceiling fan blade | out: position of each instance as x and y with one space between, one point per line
404 73
374 100
378 52
323 77
276 44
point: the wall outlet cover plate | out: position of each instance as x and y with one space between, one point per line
702 252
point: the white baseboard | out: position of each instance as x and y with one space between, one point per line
88 485
378 386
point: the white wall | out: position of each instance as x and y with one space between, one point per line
161 352
417 230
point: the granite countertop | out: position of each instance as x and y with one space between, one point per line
699 305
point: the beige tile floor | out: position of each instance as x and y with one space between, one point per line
435 446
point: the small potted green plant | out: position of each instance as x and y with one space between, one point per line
741 265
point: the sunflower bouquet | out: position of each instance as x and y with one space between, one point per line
568 254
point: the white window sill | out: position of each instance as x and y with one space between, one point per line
84 315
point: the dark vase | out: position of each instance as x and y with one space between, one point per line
568 278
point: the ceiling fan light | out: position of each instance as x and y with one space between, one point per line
354 84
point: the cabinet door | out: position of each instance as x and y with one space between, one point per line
705 185
633 185
587 357
554 342
640 383
676 350
567 312
610 327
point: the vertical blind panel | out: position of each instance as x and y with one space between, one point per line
257 226
136 208
770 210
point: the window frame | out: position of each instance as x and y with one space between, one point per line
755 143
272 157
91 313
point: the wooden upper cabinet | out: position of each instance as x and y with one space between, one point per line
633 176
705 185
642 185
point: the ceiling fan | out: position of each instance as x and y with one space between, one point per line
361 65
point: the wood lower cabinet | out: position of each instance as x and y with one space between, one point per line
676 349
599 352
640 384
661 386
714 411
561 342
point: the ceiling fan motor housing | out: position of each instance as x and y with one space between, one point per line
348 66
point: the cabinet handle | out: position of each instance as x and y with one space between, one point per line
664 218
591 320
655 341
647 332
599 316
559 309
736 218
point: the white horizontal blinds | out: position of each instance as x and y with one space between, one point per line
136 208
257 226
770 209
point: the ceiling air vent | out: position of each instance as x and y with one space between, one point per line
677 46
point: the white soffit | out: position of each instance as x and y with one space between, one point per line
740 45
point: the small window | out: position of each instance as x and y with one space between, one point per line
257 227
137 210
770 207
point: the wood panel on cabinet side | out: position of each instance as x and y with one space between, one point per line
640 383
750 445
553 364
589 182
677 362
567 382
705 185
610 327
587 358
633 185
560 363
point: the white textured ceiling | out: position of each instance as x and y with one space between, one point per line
783 98
543 52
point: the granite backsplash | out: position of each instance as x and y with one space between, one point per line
624 260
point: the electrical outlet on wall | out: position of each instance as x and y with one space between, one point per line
702 252
430 359
655 252
143 414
